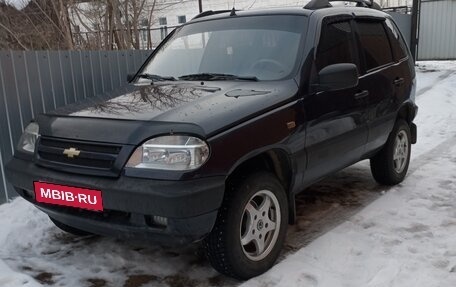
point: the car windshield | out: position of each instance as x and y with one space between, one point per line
236 48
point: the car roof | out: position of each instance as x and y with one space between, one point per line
253 12
356 11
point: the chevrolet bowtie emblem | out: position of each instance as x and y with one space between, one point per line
71 152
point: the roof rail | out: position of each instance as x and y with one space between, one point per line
211 12
319 4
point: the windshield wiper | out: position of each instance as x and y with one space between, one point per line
156 78
216 77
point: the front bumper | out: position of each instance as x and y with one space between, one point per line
189 206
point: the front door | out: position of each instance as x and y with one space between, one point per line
336 120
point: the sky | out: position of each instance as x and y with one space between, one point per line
19 4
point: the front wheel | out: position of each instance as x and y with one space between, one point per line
250 228
390 165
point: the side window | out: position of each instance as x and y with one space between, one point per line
397 43
336 45
374 44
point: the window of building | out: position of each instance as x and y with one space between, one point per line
162 21
163 32
397 43
144 35
374 44
336 45
181 19
144 22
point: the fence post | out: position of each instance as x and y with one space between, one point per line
415 28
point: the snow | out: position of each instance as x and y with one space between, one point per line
405 238
10 278
350 231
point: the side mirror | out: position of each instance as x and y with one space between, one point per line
130 77
338 77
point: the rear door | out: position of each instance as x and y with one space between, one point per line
404 64
381 78
336 120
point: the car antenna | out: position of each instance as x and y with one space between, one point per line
233 11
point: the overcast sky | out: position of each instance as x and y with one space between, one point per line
18 3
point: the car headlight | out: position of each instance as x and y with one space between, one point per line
28 139
176 152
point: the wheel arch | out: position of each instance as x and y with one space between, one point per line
276 160
408 112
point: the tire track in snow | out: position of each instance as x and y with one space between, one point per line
439 79
437 151
327 204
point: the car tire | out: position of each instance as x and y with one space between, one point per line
69 229
250 229
390 165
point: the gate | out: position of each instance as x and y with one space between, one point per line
437 30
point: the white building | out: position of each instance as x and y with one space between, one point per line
174 12
169 14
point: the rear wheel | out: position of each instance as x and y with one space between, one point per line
390 165
69 229
250 228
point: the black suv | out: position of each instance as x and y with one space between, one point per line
231 116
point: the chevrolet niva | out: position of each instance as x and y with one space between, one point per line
230 117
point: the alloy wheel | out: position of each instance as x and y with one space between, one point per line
260 225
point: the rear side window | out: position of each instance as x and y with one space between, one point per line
397 43
374 44
336 45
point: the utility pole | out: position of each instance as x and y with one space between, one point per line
200 4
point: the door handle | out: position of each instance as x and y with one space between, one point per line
398 81
361 94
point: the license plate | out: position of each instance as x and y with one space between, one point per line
68 196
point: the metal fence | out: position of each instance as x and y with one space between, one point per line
34 82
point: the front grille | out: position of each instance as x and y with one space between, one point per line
86 162
51 152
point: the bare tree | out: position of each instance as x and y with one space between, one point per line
77 24
42 24
120 21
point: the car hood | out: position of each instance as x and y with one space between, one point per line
205 108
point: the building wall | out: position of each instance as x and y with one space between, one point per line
171 10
